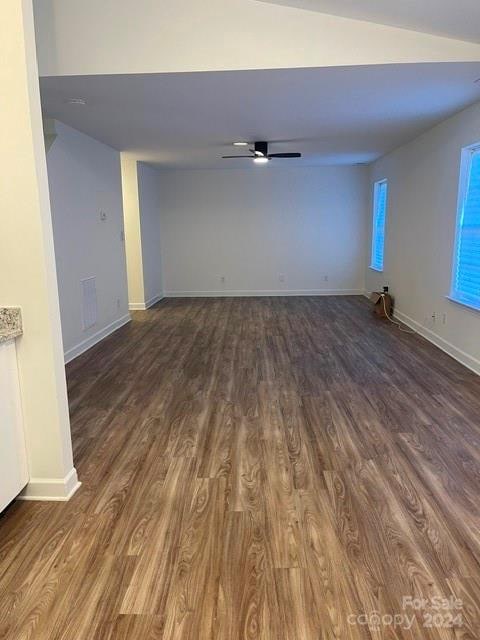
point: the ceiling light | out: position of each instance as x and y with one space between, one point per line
80 101
260 160
240 144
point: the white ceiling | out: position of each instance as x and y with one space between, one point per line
458 19
339 115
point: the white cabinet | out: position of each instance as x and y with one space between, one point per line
13 462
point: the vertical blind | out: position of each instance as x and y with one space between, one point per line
466 270
379 216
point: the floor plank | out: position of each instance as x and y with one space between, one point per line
256 469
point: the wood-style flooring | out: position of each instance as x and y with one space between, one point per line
257 468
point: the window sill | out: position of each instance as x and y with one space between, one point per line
463 304
375 269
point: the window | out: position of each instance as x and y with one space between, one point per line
466 259
378 233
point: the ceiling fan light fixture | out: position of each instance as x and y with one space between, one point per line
259 153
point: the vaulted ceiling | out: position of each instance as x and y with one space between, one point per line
459 19
175 83
171 36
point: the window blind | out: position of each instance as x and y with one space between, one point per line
466 271
379 218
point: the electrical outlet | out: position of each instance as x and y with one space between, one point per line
434 317
103 216
118 303
281 277
325 278
222 279
444 318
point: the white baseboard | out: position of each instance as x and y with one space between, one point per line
270 293
86 344
143 306
54 489
461 356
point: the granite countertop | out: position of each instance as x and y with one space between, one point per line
10 323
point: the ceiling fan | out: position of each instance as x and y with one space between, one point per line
260 155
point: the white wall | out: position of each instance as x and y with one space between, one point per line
149 206
27 262
423 181
133 232
121 36
84 179
253 225
141 210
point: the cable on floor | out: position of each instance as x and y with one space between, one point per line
398 324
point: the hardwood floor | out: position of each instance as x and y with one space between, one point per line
263 468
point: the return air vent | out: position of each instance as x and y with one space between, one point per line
89 303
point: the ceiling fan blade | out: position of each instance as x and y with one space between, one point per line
284 155
229 157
